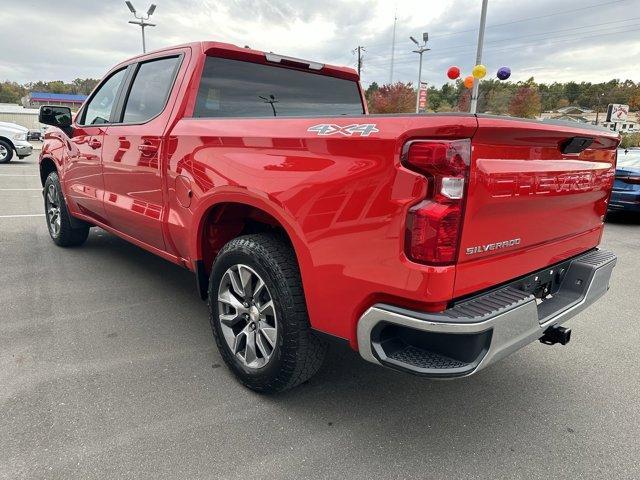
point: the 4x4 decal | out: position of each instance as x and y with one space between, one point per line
361 129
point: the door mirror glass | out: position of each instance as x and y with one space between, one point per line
56 116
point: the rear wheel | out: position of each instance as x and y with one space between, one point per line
60 225
259 317
6 152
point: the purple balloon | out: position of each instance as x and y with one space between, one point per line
504 73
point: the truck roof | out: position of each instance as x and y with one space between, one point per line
229 50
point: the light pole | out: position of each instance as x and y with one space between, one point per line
476 82
142 20
421 49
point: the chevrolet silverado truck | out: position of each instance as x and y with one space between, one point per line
434 244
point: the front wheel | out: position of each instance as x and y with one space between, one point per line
6 152
259 316
61 228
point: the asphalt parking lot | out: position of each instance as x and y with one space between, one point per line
108 370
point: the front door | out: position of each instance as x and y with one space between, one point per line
83 174
131 157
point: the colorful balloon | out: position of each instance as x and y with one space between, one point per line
479 71
504 73
468 81
453 73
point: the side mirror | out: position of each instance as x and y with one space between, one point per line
56 116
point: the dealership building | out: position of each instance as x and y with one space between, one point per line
37 99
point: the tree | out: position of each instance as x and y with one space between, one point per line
464 100
634 101
444 107
11 92
395 98
369 91
526 102
630 140
572 91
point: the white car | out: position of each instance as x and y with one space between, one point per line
13 138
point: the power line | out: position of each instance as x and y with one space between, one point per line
541 36
573 10
509 48
536 40
520 20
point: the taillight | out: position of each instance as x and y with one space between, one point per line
434 225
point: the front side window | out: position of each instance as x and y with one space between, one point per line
150 90
99 107
232 88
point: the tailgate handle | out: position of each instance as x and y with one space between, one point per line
575 144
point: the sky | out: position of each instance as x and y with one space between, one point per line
550 40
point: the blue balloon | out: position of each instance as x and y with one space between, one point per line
504 73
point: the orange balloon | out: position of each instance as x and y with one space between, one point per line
468 81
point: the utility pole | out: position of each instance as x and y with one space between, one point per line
599 98
476 83
393 46
421 49
359 51
142 21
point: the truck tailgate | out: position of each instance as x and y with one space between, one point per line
530 205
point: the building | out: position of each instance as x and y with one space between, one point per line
37 99
25 117
577 114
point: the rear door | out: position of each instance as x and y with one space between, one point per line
132 168
529 204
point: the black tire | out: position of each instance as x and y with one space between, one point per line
298 352
65 235
8 148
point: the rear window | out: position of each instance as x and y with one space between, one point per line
232 88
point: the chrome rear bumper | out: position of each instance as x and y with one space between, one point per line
476 332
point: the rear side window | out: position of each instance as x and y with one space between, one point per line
232 88
150 90
99 107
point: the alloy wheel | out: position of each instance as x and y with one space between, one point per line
52 206
247 316
3 152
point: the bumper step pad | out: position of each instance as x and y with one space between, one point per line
424 359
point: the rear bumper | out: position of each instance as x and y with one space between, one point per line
476 332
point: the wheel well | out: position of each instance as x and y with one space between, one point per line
8 141
226 221
46 167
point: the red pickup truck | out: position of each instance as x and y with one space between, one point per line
433 244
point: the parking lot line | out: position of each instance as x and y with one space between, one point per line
26 215
19 189
18 175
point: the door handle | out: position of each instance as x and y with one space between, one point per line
93 143
148 148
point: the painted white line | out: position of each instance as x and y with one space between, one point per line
17 175
19 189
20 216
